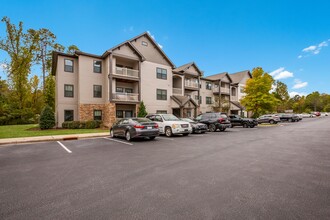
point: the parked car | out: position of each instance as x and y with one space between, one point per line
170 124
237 120
197 128
271 119
306 115
317 114
134 128
214 121
289 117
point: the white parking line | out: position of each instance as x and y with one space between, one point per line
65 148
165 138
123 142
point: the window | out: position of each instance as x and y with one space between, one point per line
119 114
233 91
161 73
188 113
68 65
161 112
120 89
124 90
200 99
68 115
161 94
98 115
196 97
208 100
208 85
128 90
97 91
144 43
97 66
68 90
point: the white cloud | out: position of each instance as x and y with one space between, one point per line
299 84
281 73
293 94
3 67
314 49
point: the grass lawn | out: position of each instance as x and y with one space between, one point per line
14 131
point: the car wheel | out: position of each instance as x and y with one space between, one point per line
245 125
112 134
212 127
290 120
272 122
185 134
128 136
222 129
251 126
152 138
168 131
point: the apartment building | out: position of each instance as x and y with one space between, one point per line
111 86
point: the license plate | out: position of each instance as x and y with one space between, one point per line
185 129
149 127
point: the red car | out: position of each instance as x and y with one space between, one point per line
317 114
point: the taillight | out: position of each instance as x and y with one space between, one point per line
138 126
221 120
156 125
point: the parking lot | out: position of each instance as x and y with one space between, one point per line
267 172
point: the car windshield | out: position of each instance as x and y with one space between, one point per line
187 119
141 120
170 118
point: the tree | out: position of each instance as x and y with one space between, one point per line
142 112
71 49
281 93
47 118
313 101
49 93
258 98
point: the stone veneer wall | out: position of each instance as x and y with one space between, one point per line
86 112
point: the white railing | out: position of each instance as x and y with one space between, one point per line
120 96
126 72
224 90
177 91
191 84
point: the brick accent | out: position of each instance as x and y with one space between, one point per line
86 112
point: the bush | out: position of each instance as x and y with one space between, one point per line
142 112
81 124
47 118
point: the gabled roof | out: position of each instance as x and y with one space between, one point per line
146 34
185 67
219 76
123 44
183 100
237 77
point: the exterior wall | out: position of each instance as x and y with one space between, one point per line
205 93
86 112
87 78
150 83
66 103
150 52
192 70
126 51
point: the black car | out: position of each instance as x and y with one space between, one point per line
237 120
197 128
134 128
214 121
289 117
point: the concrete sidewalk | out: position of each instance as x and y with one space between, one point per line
51 138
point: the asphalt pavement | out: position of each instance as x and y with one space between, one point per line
275 172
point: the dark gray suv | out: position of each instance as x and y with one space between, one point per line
214 120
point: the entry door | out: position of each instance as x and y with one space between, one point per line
128 114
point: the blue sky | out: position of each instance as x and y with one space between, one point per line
288 39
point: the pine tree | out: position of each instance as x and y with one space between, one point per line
47 118
142 112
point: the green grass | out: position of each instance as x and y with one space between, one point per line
15 131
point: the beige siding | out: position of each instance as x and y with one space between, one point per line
149 52
192 70
62 78
87 78
125 51
205 93
150 84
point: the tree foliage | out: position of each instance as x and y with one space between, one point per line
49 94
47 118
258 98
142 112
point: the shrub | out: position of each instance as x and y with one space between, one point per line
81 124
47 118
142 112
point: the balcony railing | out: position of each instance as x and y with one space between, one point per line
128 97
126 72
177 91
215 88
191 84
224 90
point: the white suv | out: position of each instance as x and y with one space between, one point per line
170 125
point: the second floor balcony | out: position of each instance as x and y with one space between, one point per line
125 97
125 72
224 90
191 84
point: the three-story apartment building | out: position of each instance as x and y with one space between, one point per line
110 86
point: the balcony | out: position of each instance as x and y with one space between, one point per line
225 90
125 97
177 91
215 89
191 85
126 72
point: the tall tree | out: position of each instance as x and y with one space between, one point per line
313 101
49 93
281 93
71 49
258 98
